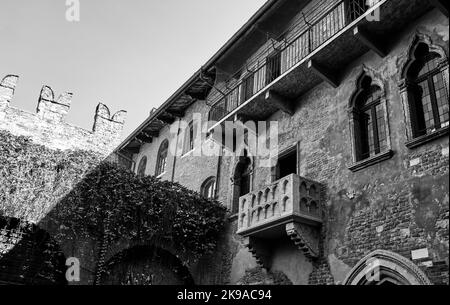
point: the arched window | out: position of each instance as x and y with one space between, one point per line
429 107
162 158
424 91
208 189
386 268
188 144
241 181
142 166
369 122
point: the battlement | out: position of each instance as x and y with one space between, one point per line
48 125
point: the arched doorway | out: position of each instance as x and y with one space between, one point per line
28 255
386 268
146 265
241 180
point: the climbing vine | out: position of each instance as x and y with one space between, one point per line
81 197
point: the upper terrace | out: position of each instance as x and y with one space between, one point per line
284 50
320 51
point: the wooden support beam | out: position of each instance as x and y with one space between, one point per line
324 73
178 114
439 4
280 102
144 138
152 134
166 118
369 41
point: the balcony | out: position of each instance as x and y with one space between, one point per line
319 53
290 207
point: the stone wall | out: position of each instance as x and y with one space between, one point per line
48 125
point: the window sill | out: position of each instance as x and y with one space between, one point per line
427 138
371 161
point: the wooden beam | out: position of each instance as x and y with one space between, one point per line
166 118
145 138
152 134
324 73
439 4
280 102
369 41
178 114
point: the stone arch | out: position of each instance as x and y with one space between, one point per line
376 79
409 57
408 63
29 255
383 266
146 265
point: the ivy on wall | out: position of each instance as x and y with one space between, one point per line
79 196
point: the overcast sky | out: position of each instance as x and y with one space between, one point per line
127 54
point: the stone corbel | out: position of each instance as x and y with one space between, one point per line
258 251
305 237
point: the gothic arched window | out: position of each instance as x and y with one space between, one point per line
142 167
428 93
162 158
369 124
208 189
424 91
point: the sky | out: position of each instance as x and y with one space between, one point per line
127 54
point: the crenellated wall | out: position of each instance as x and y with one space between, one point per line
48 126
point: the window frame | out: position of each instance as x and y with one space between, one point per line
163 148
354 123
405 85
210 182
142 167
188 143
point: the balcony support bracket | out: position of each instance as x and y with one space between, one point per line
325 74
305 237
369 41
258 251
280 102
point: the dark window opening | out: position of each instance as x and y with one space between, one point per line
241 181
287 164
248 88
142 167
370 122
273 69
162 158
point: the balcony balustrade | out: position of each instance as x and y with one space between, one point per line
289 206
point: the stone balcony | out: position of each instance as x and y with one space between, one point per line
290 206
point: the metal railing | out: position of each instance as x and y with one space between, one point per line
276 64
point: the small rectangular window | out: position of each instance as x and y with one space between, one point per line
287 164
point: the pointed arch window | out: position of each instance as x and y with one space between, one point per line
142 167
241 181
162 158
369 124
208 189
424 91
